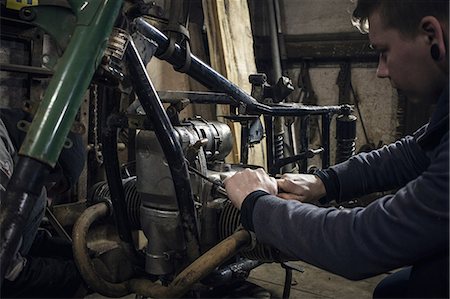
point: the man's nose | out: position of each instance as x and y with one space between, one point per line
382 70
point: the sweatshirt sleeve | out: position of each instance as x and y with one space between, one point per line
387 168
357 243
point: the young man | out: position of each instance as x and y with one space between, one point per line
408 229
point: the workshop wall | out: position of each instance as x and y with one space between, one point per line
378 103
316 16
320 33
230 44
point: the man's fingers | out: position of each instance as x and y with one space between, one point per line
225 180
280 183
286 185
291 176
289 196
224 176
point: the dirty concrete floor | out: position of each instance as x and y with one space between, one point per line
267 281
312 283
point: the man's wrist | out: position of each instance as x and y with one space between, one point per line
331 184
247 208
319 187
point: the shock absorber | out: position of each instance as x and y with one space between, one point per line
345 134
278 138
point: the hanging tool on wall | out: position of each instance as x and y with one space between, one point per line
343 82
369 144
309 125
307 95
346 92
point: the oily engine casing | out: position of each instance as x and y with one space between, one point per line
152 204
159 214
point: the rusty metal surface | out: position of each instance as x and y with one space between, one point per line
179 286
196 271
67 214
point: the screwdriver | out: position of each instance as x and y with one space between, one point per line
220 187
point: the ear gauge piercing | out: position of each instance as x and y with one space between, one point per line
435 53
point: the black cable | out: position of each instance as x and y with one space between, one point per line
111 163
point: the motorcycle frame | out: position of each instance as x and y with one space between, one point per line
56 113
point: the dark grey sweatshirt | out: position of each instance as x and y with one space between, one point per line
393 231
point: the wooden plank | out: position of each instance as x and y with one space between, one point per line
321 47
230 45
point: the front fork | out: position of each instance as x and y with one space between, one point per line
53 120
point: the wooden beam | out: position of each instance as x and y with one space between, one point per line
230 43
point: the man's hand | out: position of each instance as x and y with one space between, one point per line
301 187
245 182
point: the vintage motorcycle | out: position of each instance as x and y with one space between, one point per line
174 194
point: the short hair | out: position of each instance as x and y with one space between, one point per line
404 15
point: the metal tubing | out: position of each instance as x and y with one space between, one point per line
227 274
81 255
195 97
287 283
112 166
63 97
24 189
31 70
197 270
268 121
274 45
47 134
326 121
208 262
304 141
179 286
281 39
244 142
207 76
299 157
171 147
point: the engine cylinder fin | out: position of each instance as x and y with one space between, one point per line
100 192
229 221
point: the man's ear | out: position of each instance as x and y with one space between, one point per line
434 33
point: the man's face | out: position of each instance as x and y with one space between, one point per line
405 60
